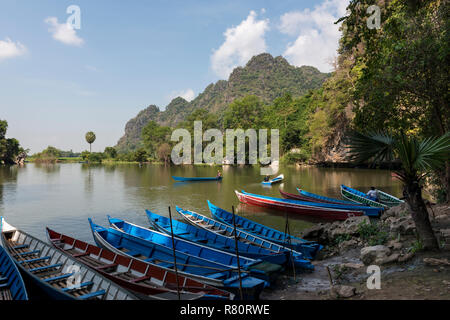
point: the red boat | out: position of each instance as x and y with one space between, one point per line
290 206
147 280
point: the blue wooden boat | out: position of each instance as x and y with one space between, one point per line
196 178
58 275
214 240
256 268
307 248
217 227
205 271
11 282
385 200
309 196
274 180
369 211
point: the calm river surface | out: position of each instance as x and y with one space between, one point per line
63 196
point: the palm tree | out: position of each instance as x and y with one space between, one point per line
90 138
417 158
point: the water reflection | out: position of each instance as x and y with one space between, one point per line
63 196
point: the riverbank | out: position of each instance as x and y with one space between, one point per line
406 272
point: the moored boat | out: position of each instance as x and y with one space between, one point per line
209 273
307 248
292 206
196 178
146 280
256 267
274 180
369 211
218 227
214 240
312 197
362 198
58 275
12 286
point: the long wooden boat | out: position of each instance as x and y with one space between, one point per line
204 254
212 274
196 178
146 280
369 211
214 240
360 197
274 180
12 286
312 197
308 248
292 206
217 227
57 274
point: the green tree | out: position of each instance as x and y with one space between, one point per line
9 148
403 82
90 138
245 113
140 155
154 135
110 152
418 157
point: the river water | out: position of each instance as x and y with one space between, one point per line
63 196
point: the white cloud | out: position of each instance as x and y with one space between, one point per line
241 43
187 94
63 32
317 35
10 49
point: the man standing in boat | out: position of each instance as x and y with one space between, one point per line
373 193
219 174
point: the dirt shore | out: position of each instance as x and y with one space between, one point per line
423 276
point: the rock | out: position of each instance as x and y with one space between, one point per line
349 244
436 262
374 254
341 291
406 257
314 232
392 258
353 265
397 211
348 226
394 245
403 225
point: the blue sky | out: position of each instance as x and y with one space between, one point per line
56 84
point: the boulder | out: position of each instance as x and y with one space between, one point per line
406 257
403 225
374 254
348 226
342 291
436 262
349 244
392 258
394 245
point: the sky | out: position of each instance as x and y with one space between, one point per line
63 73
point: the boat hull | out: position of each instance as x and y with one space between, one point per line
369 211
14 286
323 213
196 178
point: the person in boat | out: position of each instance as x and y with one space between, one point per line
373 193
219 174
266 178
